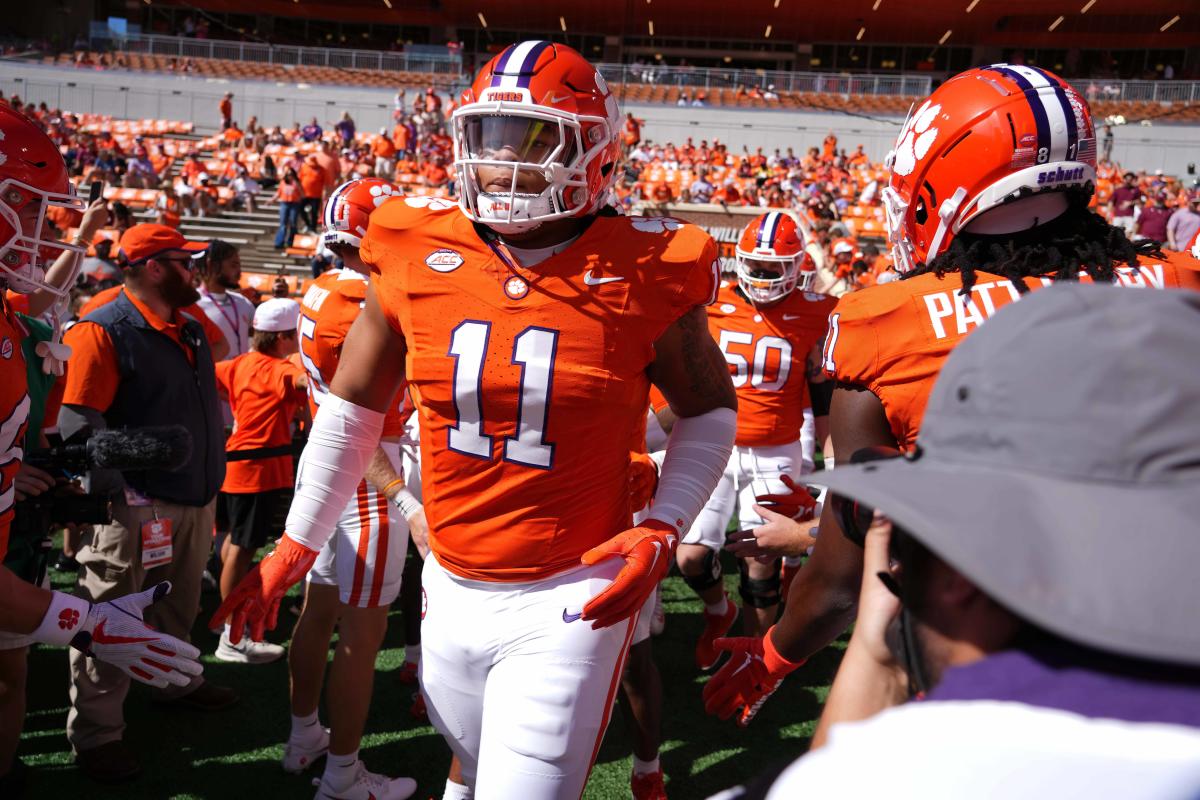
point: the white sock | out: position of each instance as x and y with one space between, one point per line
412 653
457 791
645 767
341 770
718 608
305 727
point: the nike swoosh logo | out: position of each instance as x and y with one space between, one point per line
592 280
571 617
657 553
790 317
100 637
553 98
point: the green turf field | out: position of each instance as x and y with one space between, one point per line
235 754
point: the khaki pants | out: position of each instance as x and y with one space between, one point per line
110 565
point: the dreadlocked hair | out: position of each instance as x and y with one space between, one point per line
1077 241
218 250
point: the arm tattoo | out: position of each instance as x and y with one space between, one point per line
708 377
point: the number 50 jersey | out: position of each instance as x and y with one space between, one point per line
529 382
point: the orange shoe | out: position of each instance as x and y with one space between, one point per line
407 673
417 710
715 626
648 787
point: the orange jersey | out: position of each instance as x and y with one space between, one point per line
329 308
530 383
14 414
263 396
894 337
767 349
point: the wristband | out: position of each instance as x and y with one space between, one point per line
407 502
396 482
65 618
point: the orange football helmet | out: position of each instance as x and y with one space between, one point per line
1003 136
33 179
535 138
771 259
349 207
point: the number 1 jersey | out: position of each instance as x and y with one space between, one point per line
530 382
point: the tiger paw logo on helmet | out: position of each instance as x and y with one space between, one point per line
381 193
916 137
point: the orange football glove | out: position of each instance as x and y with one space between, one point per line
752 674
255 601
648 551
799 504
643 480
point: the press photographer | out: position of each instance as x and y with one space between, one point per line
139 361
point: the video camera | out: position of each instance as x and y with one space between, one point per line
132 449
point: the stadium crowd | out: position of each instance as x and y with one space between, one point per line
162 335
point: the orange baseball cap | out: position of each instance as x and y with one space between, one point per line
148 240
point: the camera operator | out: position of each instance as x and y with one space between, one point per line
138 361
1033 579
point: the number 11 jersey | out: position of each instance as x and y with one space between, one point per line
529 382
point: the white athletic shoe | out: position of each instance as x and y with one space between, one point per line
658 620
366 786
248 651
299 755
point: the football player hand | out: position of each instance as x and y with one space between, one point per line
754 671
113 632
800 503
643 480
778 537
255 601
648 551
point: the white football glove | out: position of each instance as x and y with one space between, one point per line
113 632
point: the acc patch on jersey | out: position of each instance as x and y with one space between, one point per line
444 260
6 348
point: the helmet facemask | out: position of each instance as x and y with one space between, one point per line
521 166
766 279
30 243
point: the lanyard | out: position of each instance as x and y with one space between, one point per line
233 323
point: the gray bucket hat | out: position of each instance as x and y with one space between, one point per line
1058 467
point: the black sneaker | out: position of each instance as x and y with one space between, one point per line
66 563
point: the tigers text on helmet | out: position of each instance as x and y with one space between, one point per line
349 207
33 179
771 260
535 138
1003 139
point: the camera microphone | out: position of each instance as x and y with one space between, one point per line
166 447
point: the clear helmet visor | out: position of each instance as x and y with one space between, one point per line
766 279
517 169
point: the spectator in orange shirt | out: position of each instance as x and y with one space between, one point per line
205 196
858 157
265 390
312 188
226 108
400 139
192 169
232 135
661 193
434 172
385 154
288 195
829 147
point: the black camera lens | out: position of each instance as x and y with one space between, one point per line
854 517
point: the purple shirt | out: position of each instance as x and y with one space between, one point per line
1183 225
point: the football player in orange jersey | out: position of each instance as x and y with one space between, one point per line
529 323
988 199
33 179
766 325
357 575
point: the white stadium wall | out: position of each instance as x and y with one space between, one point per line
1169 147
